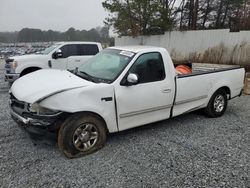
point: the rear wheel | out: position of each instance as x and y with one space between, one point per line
217 104
82 134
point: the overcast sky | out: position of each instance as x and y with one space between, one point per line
51 14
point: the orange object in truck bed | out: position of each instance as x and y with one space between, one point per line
183 69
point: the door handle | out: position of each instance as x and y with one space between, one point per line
49 64
77 60
166 91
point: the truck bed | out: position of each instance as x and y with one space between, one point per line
201 68
194 90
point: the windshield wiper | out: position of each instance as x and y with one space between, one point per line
85 75
88 77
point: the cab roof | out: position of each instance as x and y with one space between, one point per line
137 49
76 42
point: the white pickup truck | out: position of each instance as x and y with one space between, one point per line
62 55
118 89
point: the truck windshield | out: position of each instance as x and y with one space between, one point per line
107 65
49 49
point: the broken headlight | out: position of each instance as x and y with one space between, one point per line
36 108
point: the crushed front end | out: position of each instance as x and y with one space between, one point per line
34 122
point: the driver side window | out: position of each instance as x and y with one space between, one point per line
69 50
149 67
64 51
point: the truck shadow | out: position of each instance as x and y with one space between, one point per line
50 139
164 125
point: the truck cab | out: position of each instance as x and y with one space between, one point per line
62 55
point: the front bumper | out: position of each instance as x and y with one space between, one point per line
11 77
36 124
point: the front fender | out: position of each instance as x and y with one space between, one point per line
25 65
98 99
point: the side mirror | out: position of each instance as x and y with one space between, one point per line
132 79
57 54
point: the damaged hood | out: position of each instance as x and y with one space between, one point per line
43 83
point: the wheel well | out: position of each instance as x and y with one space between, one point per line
97 115
227 90
29 70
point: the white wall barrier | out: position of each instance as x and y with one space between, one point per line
208 46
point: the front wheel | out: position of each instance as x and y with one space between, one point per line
82 134
217 104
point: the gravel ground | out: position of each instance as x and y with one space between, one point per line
187 151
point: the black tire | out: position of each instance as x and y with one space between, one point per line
214 108
69 134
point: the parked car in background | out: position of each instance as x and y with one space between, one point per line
63 55
118 89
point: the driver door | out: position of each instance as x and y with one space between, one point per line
61 62
148 101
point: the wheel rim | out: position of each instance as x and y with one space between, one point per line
219 103
85 137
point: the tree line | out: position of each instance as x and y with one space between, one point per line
99 34
214 14
147 17
143 17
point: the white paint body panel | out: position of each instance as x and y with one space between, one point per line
142 104
199 89
86 99
145 103
40 84
131 106
33 60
